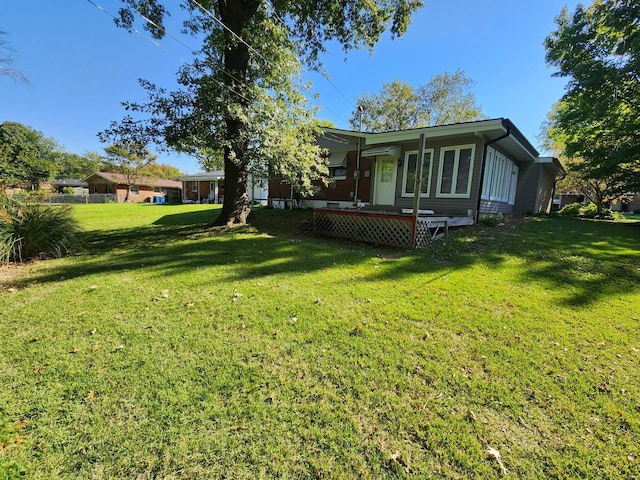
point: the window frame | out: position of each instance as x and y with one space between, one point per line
134 190
332 174
500 178
405 169
455 173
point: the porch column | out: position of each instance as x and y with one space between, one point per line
417 187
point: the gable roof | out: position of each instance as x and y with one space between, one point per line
121 179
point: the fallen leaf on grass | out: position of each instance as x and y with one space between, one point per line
93 287
19 439
495 455
94 347
118 348
74 350
90 395
396 457
23 424
12 290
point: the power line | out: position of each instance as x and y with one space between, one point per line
99 7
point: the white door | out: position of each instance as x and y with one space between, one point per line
385 184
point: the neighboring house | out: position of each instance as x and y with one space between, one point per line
208 187
628 203
79 187
562 199
470 169
144 189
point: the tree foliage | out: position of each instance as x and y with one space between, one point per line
446 98
72 165
242 94
130 160
27 157
598 119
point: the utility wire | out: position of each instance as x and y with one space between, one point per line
99 7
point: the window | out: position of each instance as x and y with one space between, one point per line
156 189
409 182
134 189
338 173
338 165
500 178
194 186
455 171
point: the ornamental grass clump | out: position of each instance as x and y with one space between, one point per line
29 230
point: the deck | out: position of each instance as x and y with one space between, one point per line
393 228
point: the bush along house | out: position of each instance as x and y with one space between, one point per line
379 191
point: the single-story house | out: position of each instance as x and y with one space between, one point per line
469 169
144 189
208 187
627 203
78 186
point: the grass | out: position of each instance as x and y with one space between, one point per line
167 349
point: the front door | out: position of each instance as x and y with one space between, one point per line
385 185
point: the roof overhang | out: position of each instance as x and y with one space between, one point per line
552 162
203 177
515 144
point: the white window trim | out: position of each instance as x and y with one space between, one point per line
429 151
454 179
500 178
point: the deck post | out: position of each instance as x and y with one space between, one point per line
416 189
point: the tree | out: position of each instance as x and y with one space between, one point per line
27 157
242 94
443 100
131 161
599 187
6 62
598 118
162 170
72 165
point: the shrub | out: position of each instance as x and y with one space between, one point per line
29 230
490 220
571 210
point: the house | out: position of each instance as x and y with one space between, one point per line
77 185
208 187
113 187
627 203
469 170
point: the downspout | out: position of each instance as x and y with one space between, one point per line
484 161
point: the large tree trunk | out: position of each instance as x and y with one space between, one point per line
236 14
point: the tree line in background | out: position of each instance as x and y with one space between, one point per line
596 124
28 158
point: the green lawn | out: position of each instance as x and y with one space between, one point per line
167 349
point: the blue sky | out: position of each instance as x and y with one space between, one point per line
81 66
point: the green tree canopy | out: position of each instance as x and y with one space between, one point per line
446 98
72 165
242 94
598 119
27 157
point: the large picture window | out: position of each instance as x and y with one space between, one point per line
410 168
455 171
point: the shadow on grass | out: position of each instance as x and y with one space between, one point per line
593 258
